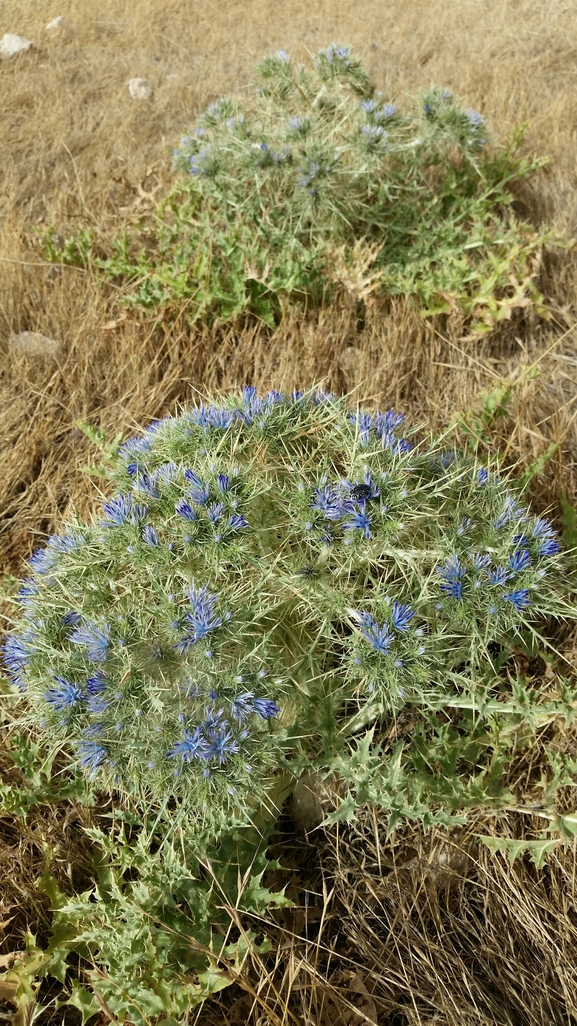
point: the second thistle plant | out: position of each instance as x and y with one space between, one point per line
277 192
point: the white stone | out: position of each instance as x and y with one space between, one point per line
34 343
11 44
139 89
59 26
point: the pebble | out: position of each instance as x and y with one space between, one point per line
10 45
34 343
59 26
139 89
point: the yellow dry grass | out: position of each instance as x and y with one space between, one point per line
76 151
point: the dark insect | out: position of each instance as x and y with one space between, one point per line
361 491
307 571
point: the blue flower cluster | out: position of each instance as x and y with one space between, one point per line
216 738
201 619
345 504
527 549
382 426
17 651
381 636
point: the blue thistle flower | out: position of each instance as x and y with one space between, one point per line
134 446
28 590
519 560
282 56
548 547
328 503
192 746
17 650
512 511
322 398
397 446
199 491
387 423
91 756
474 117
222 745
223 482
150 535
374 133
199 416
519 599
64 697
308 173
363 618
185 510
97 683
237 521
215 511
201 621
482 477
482 560
298 124
369 106
220 418
453 570
542 529
464 526
97 640
401 616
386 112
359 522
145 483
122 510
71 619
97 704
452 574
379 638
265 708
242 706
499 576
336 53
363 422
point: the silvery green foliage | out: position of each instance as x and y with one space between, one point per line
268 570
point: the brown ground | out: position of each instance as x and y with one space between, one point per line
500 945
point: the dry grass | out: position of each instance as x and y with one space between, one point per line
397 941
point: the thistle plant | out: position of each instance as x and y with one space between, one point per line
272 575
320 170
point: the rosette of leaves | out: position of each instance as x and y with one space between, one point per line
279 190
271 574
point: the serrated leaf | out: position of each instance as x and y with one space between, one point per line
256 898
345 812
83 1000
537 850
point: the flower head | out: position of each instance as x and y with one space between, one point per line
122 510
64 697
401 616
97 640
91 756
519 560
198 491
379 638
519 599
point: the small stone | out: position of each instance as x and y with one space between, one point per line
59 26
11 44
139 89
34 343
314 796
